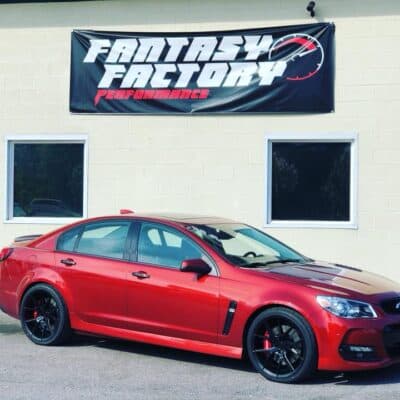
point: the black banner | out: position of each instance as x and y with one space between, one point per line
284 69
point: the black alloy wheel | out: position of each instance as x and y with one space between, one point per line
281 345
44 316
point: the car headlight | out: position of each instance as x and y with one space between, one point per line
346 308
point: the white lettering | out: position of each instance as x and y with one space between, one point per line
137 76
228 48
159 80
111 72
240 74
122 51
212 75
149 50
256 46
201 49
269 70
97 46
187 71
176 45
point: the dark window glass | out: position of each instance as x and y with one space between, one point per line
105 239
163 246
311 181
67 240
48 180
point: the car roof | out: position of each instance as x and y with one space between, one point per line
174 218
181 218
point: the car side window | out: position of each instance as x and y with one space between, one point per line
104 239
67 240
164 246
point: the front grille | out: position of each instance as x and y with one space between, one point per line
391 306
391 339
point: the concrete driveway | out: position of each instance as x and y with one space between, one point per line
91 368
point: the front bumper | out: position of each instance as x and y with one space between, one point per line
359 344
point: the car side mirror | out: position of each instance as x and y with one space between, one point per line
196 265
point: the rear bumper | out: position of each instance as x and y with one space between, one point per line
7 303
7 311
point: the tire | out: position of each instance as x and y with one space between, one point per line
44 316
281 346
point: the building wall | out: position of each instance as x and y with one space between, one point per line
213 164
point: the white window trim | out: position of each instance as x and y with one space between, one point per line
332 137
9 181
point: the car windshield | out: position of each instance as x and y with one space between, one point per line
246 246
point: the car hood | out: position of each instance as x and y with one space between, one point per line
336 278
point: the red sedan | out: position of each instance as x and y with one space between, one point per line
203 284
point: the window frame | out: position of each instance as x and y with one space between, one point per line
328 137
10 141
135 256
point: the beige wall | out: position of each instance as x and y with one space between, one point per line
214 164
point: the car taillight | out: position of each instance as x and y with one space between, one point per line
5 253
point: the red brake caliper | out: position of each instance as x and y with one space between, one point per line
35 314
267 343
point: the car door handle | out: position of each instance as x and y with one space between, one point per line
141 274
69 262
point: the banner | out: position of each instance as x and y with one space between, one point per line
284 69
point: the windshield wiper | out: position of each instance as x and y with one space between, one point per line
263 264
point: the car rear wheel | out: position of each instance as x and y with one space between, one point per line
281 345
44 316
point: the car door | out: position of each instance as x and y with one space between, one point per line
93 261
164 300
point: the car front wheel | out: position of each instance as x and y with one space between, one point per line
44 316
281 345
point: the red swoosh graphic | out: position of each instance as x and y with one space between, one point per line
308 44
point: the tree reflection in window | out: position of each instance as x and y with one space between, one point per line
311 181
48 179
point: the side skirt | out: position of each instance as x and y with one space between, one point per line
160 340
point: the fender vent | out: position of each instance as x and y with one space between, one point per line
230 313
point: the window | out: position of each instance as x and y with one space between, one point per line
311 180
243 245
164 246
67 240
104 239
46 179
